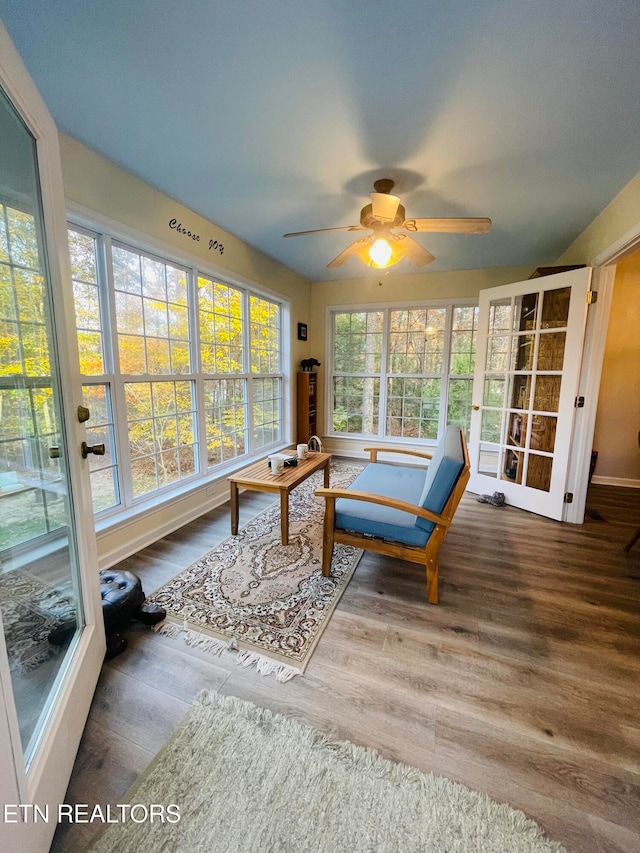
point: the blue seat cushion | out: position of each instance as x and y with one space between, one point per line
392 481
442 473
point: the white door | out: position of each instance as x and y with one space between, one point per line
51 632
530 338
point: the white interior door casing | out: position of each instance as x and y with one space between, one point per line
44 780
528 360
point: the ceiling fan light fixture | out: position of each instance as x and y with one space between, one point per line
380 253
384 206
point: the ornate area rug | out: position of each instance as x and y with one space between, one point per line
241 778
30 611
265 601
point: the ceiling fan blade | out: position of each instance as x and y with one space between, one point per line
418 255
451 225
324 230
353 249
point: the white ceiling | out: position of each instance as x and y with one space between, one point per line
269 116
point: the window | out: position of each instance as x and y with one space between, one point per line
403 372
152 326
462 365
265 371
414 382
97 378
357 366
222 354
182 372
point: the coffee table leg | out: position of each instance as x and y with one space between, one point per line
234 508
326 474
284 516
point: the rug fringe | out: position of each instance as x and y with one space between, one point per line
264 665
192 638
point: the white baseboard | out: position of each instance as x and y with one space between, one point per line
615 481
142 534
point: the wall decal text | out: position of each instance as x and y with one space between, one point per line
214 245
177 226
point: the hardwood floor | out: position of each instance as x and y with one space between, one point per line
524 682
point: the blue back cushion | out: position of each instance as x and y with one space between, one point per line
442 473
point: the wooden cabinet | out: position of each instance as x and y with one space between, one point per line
307 406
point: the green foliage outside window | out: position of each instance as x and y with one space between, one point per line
416 379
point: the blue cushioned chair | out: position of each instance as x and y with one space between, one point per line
401 511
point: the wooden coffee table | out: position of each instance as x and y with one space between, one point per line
259 478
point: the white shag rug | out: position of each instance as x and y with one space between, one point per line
247 779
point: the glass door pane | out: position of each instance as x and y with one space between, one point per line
39 591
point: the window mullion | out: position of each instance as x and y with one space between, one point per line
384 380
445 372
118 399
196 368
247 378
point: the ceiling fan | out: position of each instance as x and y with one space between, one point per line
384 247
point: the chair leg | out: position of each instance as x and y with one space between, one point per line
327 535
432 579
327 554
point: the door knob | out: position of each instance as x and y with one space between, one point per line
86 449
83 414
475 408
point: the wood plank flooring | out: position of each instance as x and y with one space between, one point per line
524 682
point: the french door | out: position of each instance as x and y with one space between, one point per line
51 635
529 352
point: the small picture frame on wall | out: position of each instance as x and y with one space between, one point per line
302 331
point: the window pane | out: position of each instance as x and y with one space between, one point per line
555 308
267 409
414 410
86 292
105 491
491 424
416 340
547 394
150 298
220 321
459 411
226 433
264 335
162 431
358 342
539 472
356 405
551 351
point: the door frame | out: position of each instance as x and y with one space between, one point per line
604 271
46 778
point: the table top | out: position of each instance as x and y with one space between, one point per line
260 472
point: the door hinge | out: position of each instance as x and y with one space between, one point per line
579 403
568 497
592 297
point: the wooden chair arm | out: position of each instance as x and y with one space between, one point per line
373 452
392 503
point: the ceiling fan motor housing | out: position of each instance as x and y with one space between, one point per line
384 205
368 219
384 185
